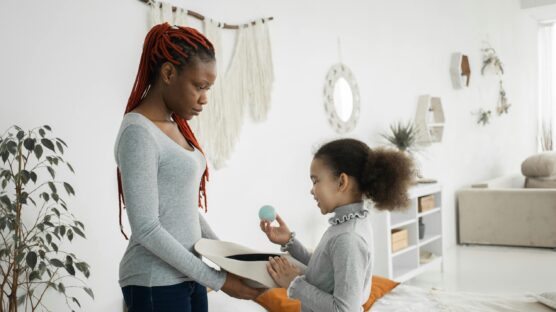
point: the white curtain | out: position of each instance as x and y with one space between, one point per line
547 87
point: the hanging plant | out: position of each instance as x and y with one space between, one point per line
490 58
503 103
483 117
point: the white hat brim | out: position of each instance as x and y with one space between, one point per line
254 271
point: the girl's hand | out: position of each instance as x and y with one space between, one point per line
282 271
277 234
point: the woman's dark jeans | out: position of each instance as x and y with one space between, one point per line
184 297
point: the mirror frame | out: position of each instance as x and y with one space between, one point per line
336 72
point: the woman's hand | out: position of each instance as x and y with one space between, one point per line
234 287
277 234
282 271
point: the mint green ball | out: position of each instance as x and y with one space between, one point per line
267 213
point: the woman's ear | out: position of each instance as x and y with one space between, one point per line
167 72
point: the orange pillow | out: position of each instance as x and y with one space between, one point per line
276 299
380 287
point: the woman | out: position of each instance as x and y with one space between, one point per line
162 174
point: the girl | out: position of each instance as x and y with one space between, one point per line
338 277
162 174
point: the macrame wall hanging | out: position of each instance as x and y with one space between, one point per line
243 87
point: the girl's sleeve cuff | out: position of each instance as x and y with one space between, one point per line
295 283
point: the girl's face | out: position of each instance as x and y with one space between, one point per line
186 92
326 188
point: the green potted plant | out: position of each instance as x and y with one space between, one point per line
403 136
36 225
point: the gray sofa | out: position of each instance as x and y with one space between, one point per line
516 210
502 212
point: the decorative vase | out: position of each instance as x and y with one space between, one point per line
421 228
416 166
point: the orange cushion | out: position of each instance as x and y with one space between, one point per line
380 287
276 299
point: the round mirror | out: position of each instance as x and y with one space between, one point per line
341 98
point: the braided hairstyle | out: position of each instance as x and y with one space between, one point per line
180 46
382 175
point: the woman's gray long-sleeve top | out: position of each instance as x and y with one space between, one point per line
160 186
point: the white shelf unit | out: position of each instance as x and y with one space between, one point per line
404 264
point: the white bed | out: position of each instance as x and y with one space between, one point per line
405 298
410 298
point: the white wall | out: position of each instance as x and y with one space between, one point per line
71 64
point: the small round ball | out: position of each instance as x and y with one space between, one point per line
267 213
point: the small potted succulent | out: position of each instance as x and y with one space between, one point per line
403 136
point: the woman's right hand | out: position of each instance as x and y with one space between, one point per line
277 234
234 287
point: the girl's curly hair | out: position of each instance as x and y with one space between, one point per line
383 175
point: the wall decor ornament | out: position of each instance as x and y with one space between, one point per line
341 98
461 70
429 120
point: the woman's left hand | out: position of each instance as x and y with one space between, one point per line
282 271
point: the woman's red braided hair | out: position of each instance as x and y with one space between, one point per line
165 43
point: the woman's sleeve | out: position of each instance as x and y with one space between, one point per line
206 230
299 252
137 156
350 257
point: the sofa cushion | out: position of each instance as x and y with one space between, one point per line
539 165
540 182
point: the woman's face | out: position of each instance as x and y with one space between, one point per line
186 93
325 186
